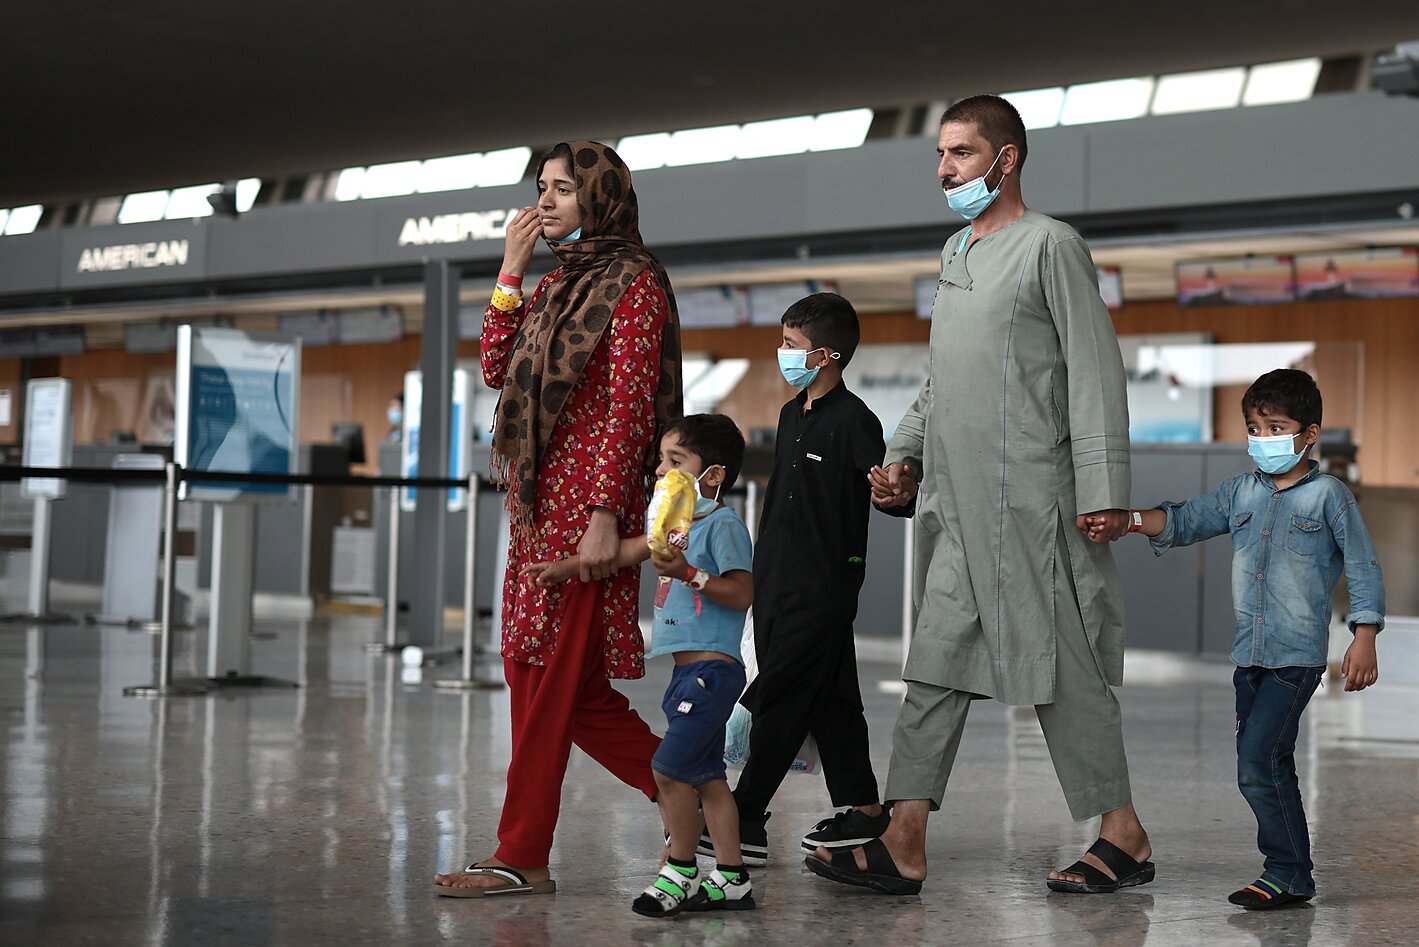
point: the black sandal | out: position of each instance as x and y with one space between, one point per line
1127 872
881 874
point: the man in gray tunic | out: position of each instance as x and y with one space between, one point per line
1020 430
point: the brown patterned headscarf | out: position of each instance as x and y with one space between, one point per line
561 331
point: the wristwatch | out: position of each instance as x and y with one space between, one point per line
1135 522
697 579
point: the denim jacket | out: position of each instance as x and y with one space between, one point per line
1288 549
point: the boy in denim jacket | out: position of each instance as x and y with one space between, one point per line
1293 530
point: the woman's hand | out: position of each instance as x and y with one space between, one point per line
554 572
599 547
522 233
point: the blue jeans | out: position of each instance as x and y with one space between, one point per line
1269 706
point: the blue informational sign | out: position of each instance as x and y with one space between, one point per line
459 436
237 409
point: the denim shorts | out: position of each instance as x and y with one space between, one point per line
697 704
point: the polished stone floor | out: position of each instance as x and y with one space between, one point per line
318 814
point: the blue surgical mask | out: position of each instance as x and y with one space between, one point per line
972 198
574 235
395 415
704 505
793 363
1274 455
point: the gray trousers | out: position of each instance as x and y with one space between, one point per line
1083 728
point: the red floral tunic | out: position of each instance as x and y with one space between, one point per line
594 458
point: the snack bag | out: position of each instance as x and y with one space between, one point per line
668 517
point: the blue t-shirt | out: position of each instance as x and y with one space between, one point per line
686 620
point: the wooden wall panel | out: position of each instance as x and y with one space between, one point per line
1387 411
10 381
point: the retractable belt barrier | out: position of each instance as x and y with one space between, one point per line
172 475
116 475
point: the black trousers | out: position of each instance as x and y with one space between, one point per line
792 698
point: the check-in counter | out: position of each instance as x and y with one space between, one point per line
293 537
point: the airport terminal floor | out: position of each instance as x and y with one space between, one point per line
319 814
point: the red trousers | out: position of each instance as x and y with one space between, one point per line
568 700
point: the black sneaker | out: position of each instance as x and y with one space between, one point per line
753 842
846 830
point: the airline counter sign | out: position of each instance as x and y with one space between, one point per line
128 256
134 253
445 229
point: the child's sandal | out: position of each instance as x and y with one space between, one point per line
719 893
667 895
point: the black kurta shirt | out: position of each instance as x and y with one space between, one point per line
812 548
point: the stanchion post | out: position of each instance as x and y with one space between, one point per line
169 573
470 599
39 558
164 686
751 509
391 585
470 578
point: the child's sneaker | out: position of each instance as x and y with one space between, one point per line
753 842
667 895
846 830
723 890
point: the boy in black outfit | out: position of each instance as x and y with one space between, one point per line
808 567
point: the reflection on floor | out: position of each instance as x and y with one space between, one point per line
319 815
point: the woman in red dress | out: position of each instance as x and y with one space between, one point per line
589 370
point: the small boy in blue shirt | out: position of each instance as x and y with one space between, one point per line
1293 530
700 603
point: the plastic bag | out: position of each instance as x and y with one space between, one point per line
668 517
736 737
736 731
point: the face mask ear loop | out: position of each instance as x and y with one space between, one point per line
992 168
717 487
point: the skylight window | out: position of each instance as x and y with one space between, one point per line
1274 82
143 207
349 184
247 189
642 152
780 136
796 134
1038 108
1110 101
453 173
834 130
500 168
24 219
390 180
190 201
703 145
1199 91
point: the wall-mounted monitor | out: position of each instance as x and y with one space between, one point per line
1240 281
1358 274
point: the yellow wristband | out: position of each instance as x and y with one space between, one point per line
504 302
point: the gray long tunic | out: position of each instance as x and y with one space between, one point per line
1021 425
